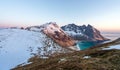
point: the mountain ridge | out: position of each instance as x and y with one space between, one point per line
19 44
55 32
83 32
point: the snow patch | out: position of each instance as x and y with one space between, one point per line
86 57
112 47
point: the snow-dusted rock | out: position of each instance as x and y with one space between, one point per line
83 32
58 35
16 46
53 31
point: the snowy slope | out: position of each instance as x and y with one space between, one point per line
112 47
58 35
17 45
55 32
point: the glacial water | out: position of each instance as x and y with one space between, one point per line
83 45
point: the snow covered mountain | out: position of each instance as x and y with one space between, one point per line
83 32
53 31
17 45
58 35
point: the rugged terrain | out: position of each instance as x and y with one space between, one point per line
83 32
17 45
42 41
97 58
58 35
53 31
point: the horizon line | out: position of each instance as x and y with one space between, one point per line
24 26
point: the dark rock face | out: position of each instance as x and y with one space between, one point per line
83 32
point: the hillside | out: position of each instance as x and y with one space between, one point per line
53 31
42 41
17 45
96 58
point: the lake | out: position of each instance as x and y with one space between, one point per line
83 45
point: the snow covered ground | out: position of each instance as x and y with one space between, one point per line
16 46
72 33
112 47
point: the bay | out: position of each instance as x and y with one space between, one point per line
83 45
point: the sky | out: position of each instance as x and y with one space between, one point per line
102 14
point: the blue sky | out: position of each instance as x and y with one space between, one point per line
103 14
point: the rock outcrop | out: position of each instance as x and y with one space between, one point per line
83 32
58 35
55 32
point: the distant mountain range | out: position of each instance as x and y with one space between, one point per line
84 33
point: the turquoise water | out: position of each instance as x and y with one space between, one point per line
83 45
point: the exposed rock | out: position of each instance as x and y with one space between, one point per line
93 33
83 32
58 35
53 31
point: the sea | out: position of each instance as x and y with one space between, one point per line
83 45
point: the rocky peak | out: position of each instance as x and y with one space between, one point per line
83 32
71 25
55 32
93 33
89 26
58 35
83 26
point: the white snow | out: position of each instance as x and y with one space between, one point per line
112 47
84 30
86 57
16 46
62 60
73 33
51 28
35 29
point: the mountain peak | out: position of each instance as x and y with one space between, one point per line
58 35
54 23
53 31
72 24
83 32
89 25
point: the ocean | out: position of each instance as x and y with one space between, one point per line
111 35
83 45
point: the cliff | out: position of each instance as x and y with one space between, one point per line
83 32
